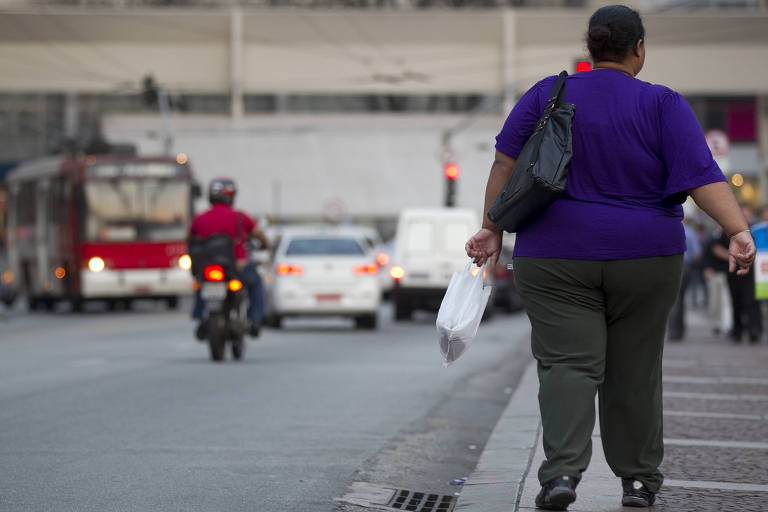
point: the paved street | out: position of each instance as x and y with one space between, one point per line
124 411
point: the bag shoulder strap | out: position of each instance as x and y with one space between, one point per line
557 94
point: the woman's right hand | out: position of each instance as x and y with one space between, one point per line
741 253
484 246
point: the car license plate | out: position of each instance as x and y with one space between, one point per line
328 297
213 291
420 275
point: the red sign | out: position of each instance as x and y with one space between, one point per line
718 142
122 256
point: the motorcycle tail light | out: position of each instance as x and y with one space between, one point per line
235 285
214 273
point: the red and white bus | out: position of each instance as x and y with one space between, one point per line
107 227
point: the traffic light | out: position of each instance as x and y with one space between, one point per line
583 65
452 172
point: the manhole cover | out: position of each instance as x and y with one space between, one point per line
404 499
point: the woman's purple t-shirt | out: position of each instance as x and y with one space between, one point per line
637 149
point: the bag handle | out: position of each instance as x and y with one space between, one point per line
557 95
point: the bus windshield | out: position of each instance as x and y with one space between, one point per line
127 209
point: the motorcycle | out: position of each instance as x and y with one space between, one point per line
224 299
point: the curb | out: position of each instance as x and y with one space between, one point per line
496 484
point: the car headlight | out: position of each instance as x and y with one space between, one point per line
96 264
185 262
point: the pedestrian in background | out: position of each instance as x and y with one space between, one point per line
599 270
691 257
747 314
715 259
699 295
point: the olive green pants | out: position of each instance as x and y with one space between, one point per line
598 327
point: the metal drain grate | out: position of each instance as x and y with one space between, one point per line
404 499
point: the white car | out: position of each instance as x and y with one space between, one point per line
323 271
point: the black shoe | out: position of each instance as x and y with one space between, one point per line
734 336
636 494
557 494
754 338
253 330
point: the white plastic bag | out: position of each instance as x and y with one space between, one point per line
461 311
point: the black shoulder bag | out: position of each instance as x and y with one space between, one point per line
541 170
217 249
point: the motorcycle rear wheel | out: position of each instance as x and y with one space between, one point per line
217 340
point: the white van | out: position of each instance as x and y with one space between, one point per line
429 248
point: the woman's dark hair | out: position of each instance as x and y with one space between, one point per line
613 32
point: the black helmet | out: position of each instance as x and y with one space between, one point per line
222 190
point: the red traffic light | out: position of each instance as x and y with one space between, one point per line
583 65
452 171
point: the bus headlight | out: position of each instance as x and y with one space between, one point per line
185 262
96 264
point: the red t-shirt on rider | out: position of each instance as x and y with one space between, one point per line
222 218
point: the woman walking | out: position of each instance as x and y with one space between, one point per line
599 270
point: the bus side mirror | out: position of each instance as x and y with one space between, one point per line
197 191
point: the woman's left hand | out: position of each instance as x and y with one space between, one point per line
484 246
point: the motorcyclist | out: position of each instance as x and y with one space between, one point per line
223 218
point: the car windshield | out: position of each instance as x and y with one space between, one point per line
136 209
324 247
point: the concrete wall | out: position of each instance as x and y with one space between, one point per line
304 166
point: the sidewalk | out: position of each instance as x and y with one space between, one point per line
715 433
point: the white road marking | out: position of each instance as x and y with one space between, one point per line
716 444
714 396
726 486
723 415
684 379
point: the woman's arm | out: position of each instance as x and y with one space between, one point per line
501 170
718 201
485 245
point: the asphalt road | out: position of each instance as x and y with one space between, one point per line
124 411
